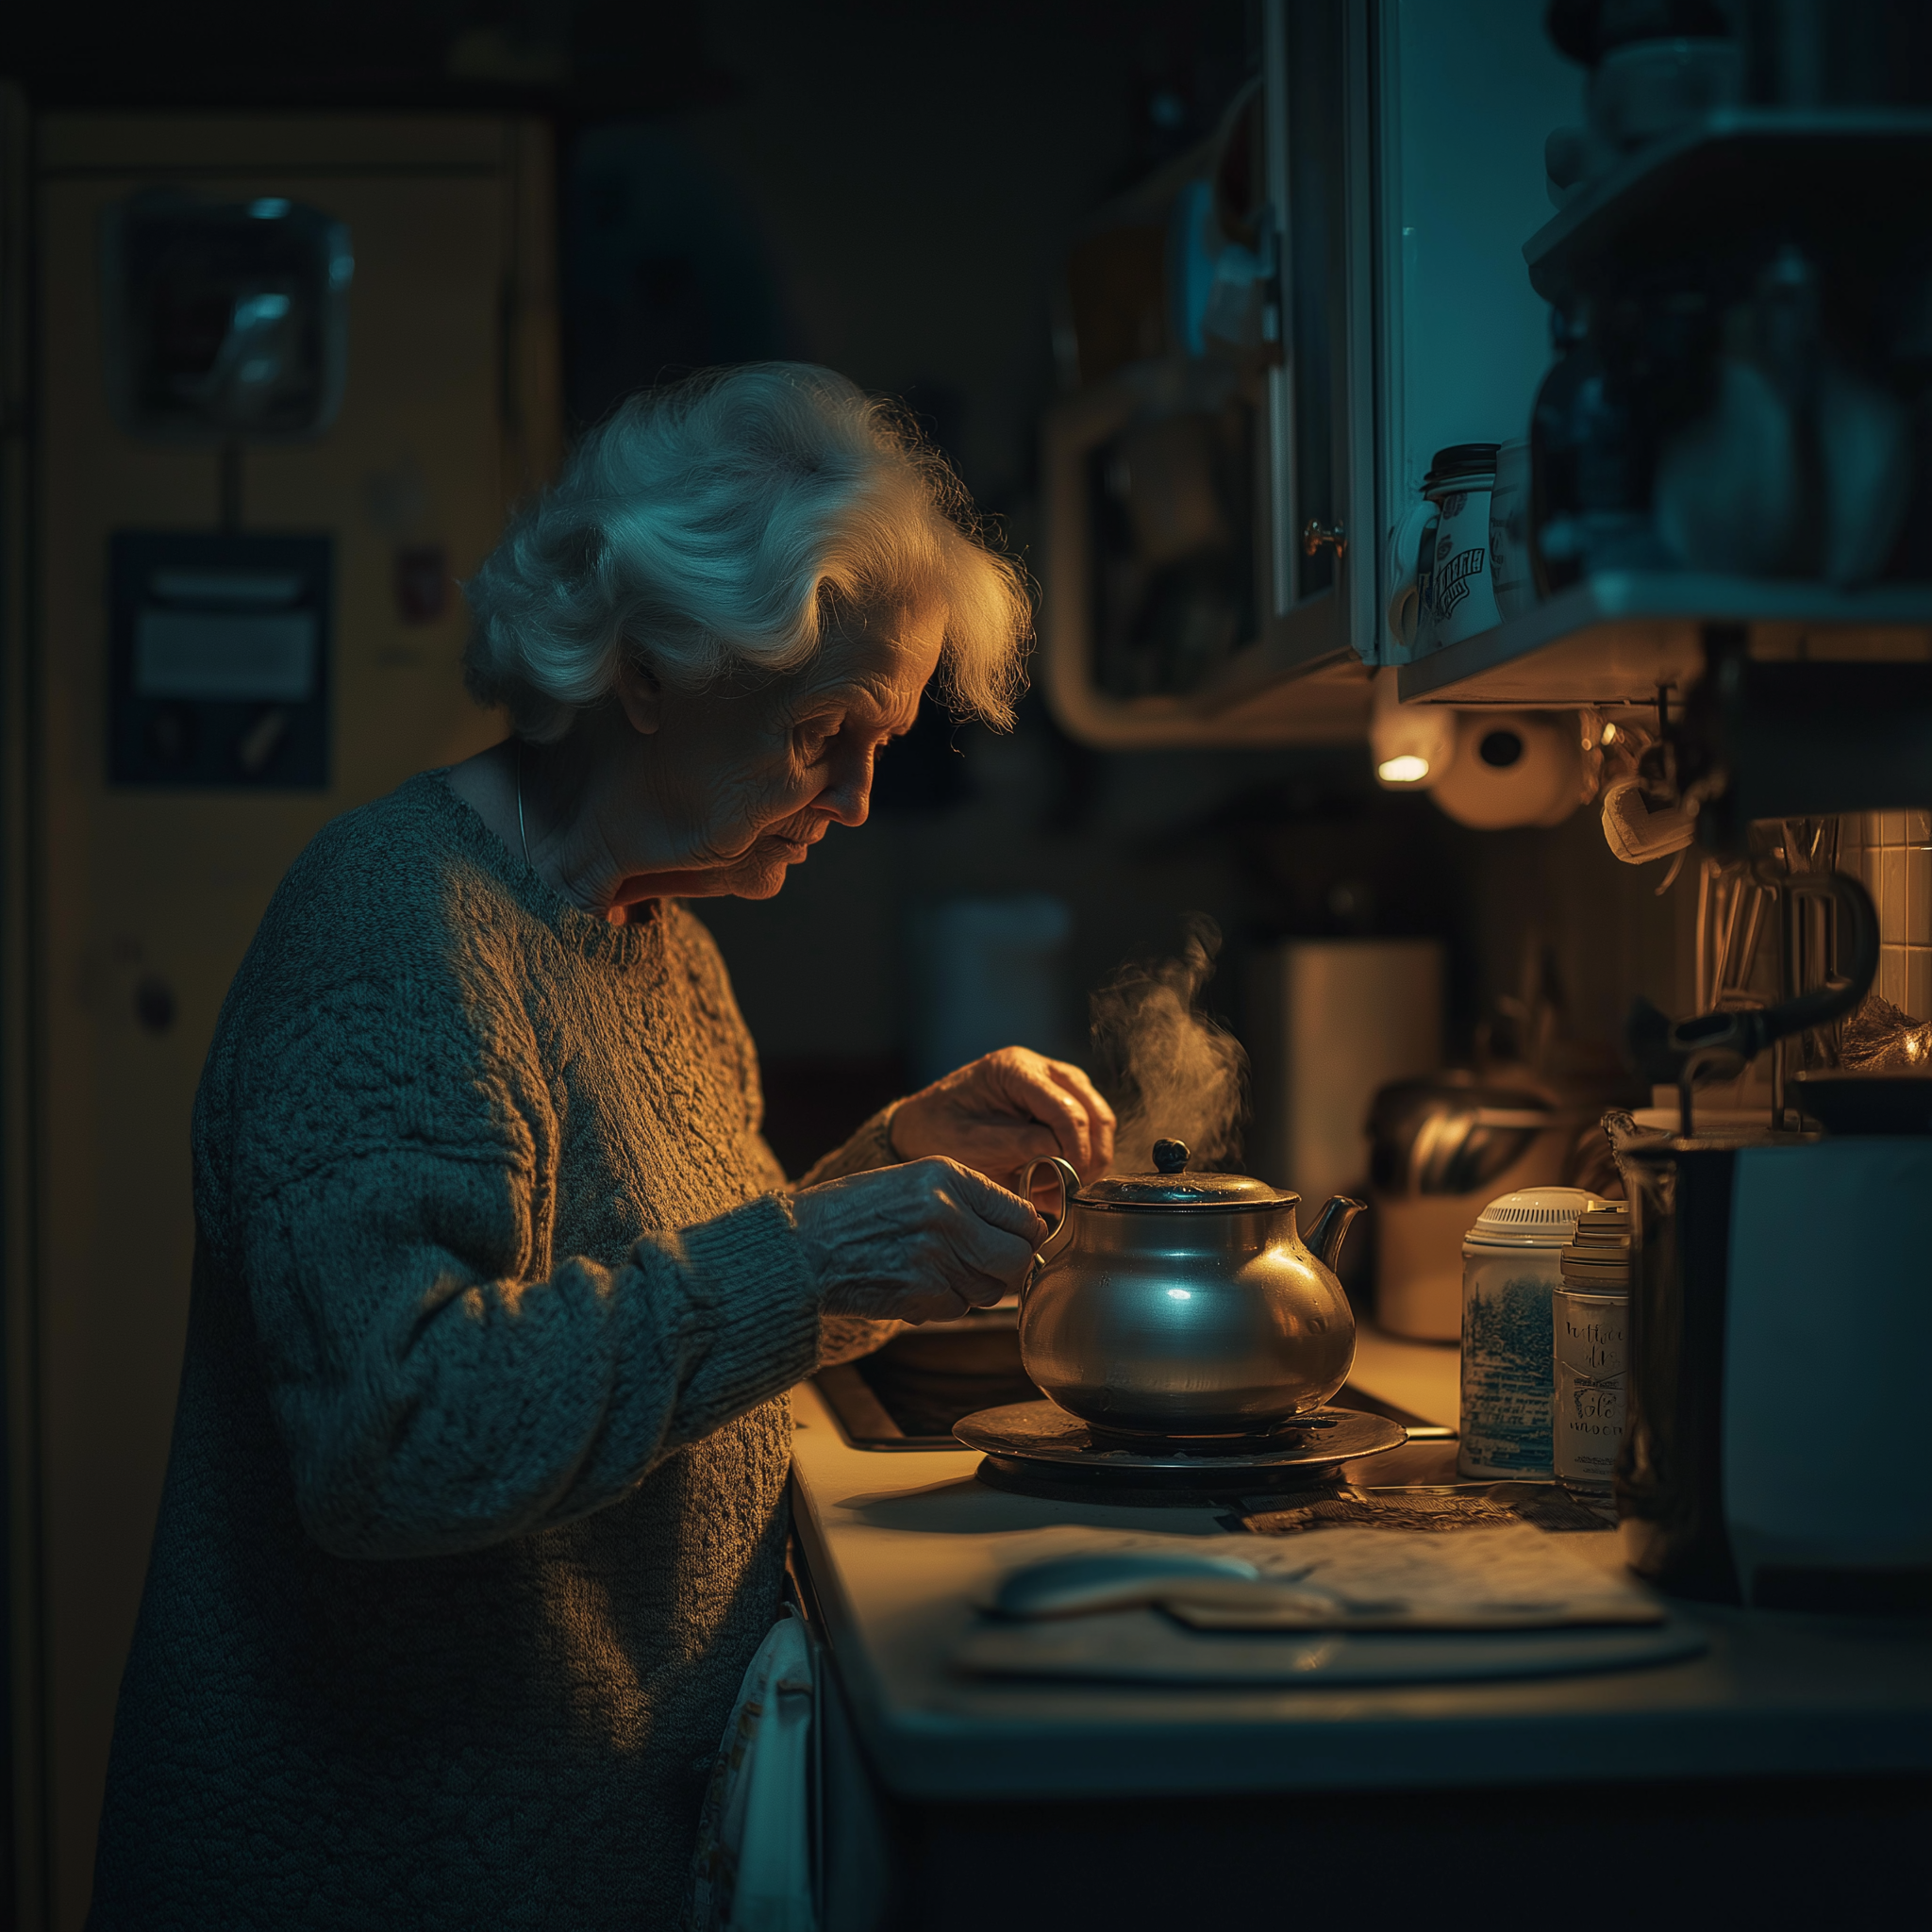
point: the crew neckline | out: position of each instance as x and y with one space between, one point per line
625 944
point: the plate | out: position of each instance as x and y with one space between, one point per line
1044 1433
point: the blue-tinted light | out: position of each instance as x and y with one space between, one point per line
1180 1294
252 311
270 207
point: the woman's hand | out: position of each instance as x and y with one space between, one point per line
1006 1109
923 1242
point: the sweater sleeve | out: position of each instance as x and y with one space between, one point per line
845 1338
379 1147
432 1401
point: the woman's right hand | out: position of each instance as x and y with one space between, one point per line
921 1242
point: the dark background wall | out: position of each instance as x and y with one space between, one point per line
887 189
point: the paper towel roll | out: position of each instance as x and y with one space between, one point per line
1513 768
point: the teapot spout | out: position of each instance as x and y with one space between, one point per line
1331 1229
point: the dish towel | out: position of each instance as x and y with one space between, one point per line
752 1866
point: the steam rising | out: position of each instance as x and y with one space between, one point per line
1172 1072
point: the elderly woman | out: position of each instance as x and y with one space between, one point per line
476 1509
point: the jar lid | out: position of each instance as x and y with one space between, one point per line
1603 1229
1174 1187
1462 460
1532 1218
1595 1277
1598 1255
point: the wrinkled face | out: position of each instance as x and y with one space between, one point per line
751 777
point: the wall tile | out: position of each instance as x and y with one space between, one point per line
1919 895
1918 999
1891 973
1919 826
1891 894
1891 828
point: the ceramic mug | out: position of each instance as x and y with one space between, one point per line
1412 539
1458 596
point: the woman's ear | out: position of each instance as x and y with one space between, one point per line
641 697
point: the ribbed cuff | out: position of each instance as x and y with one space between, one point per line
753 1307
845 1338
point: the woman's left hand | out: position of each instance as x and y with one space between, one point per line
1005 1109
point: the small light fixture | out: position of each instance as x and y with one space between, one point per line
1412 745
1409 768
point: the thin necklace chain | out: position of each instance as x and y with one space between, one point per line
522 832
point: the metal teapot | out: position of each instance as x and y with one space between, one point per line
1177 1304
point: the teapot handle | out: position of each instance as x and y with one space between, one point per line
1069 1186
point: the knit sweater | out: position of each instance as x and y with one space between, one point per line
474 1513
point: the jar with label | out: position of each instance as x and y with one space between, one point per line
1590 1311
1512 1262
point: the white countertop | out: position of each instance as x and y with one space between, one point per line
1424 1377
900 1546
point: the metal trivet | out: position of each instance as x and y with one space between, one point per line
1038 1448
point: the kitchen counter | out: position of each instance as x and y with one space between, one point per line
898 1549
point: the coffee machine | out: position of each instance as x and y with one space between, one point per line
1778 1307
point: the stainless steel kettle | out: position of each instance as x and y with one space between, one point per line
1177 1304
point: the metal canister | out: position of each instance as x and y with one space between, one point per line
1589 1315
1511 1270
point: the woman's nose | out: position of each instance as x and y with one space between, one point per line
848 797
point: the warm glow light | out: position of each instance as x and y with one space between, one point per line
1410 746
1406 770
1609 735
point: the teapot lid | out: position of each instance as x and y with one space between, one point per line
1174 1187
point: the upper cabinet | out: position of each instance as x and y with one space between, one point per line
1731 454
1266 346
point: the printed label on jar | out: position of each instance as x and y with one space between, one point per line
1588 1422
1506 1385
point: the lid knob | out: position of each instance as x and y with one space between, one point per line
1170 1156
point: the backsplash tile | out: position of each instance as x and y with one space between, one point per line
1895 864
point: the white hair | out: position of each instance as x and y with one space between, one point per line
717 525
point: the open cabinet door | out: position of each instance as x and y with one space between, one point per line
170 793
1239 443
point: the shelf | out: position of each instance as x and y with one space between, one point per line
1613 640
1717 176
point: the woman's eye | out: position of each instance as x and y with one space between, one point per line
812 740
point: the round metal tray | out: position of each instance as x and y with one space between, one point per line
1033 1439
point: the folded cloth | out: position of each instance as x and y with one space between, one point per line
1324 1606
1508 1579
1147 1647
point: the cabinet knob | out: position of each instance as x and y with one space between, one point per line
1316 536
